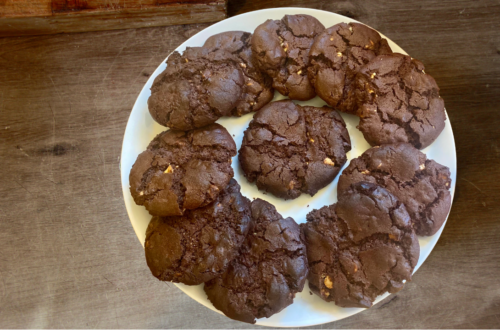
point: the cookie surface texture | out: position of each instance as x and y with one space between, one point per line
257 89
270 270
199 245
281 49
361 247
289 149
420 183
197 88
398 102
336 56
182 170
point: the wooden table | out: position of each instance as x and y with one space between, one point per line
68 254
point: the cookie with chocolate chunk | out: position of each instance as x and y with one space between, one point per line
258 90
421 184
197 88
290 149
360 247
199 245
335 58
398 102
183 170
270 270
281 49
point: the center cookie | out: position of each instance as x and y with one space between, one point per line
361 247
336 56
289 149
270 270
281 49
258 90
182 170
197 88
199 245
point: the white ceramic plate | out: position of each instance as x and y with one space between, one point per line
141 129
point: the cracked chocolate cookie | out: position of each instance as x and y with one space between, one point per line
361 247
421 184
335 58
182 170
289 149
398 102
197 88
281 49
258 90
199 245
270 270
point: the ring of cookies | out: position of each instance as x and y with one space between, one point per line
251 260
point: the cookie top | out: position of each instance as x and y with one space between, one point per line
258 90
270 270
361 247
419 183
183 170
281 49
335 58
398 102
289 149
197 88
199 245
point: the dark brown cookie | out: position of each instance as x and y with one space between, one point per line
197 88
419 183
258 90
361 247
183 170
398 102
288 149
335 58
281 49
199 245
270 270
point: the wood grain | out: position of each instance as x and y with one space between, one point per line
69 256
56 16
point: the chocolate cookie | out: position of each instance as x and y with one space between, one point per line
288 149
258 90
270 270
197 88
335 58
281 49
419 183
361 247
399 102
183 170
199 245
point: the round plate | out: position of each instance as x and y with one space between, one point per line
141 129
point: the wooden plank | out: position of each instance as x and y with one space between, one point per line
81 16
69 256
